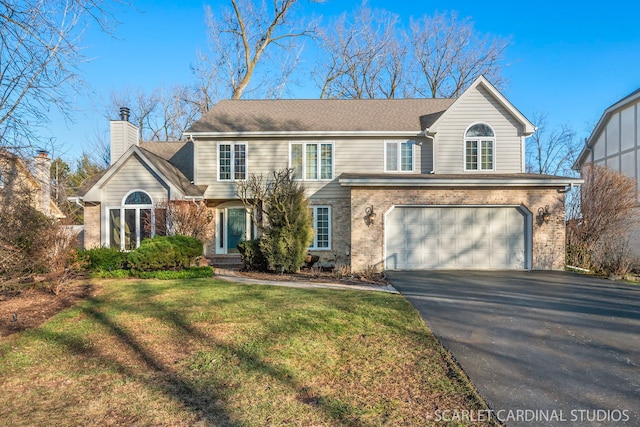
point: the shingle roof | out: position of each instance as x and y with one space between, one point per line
172 173
178 153
173 159
286 115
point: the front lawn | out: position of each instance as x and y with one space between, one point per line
208 352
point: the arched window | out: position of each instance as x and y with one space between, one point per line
132 222
479 148
138 198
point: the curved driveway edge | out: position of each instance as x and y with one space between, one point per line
543 348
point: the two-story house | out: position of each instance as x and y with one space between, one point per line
393 183
615 143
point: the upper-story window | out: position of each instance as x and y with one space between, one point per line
232 161
311 160
398 156
479 148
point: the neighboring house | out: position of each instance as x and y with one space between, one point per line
18 180
615 143
393 184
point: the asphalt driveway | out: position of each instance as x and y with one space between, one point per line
543 348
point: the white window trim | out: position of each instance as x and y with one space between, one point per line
319 165
479 140
233 172
399 143
314 244
122 208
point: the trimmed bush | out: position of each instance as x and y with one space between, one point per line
252 256
103 259
165 253
189 273
111 274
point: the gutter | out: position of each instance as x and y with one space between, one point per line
453 182
289 133
77 200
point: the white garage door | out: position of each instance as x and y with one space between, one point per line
478 238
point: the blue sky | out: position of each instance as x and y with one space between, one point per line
568 59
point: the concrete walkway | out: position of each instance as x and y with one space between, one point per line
235 276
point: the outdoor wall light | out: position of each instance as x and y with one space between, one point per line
543 215
371 215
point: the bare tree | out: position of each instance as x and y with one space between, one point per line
241 38
141 104
600 220
551 151
450 54
40 52
365 56
183 217
161 115
176 112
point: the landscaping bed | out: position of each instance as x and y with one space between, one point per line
29 308
320 275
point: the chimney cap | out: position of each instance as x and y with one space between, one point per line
43 153
124 114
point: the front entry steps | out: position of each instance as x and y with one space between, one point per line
226 261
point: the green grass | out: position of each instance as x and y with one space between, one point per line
207 352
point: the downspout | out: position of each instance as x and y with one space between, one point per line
193 198
567 189
427 133
77 200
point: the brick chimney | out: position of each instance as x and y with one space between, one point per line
123 135
42 174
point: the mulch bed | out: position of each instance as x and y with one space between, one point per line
29 308
320 276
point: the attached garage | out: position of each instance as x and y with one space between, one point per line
458 237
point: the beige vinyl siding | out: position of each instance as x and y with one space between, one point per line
350 155
263 157
133 176
123 135
478 106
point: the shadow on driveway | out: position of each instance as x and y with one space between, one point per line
543 348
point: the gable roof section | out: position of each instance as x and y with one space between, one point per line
177 153
632 98
527 126
340 117
168 173
319 116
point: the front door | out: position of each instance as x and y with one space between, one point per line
236 228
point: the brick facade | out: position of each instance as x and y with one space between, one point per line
340 253
91 225
367 240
